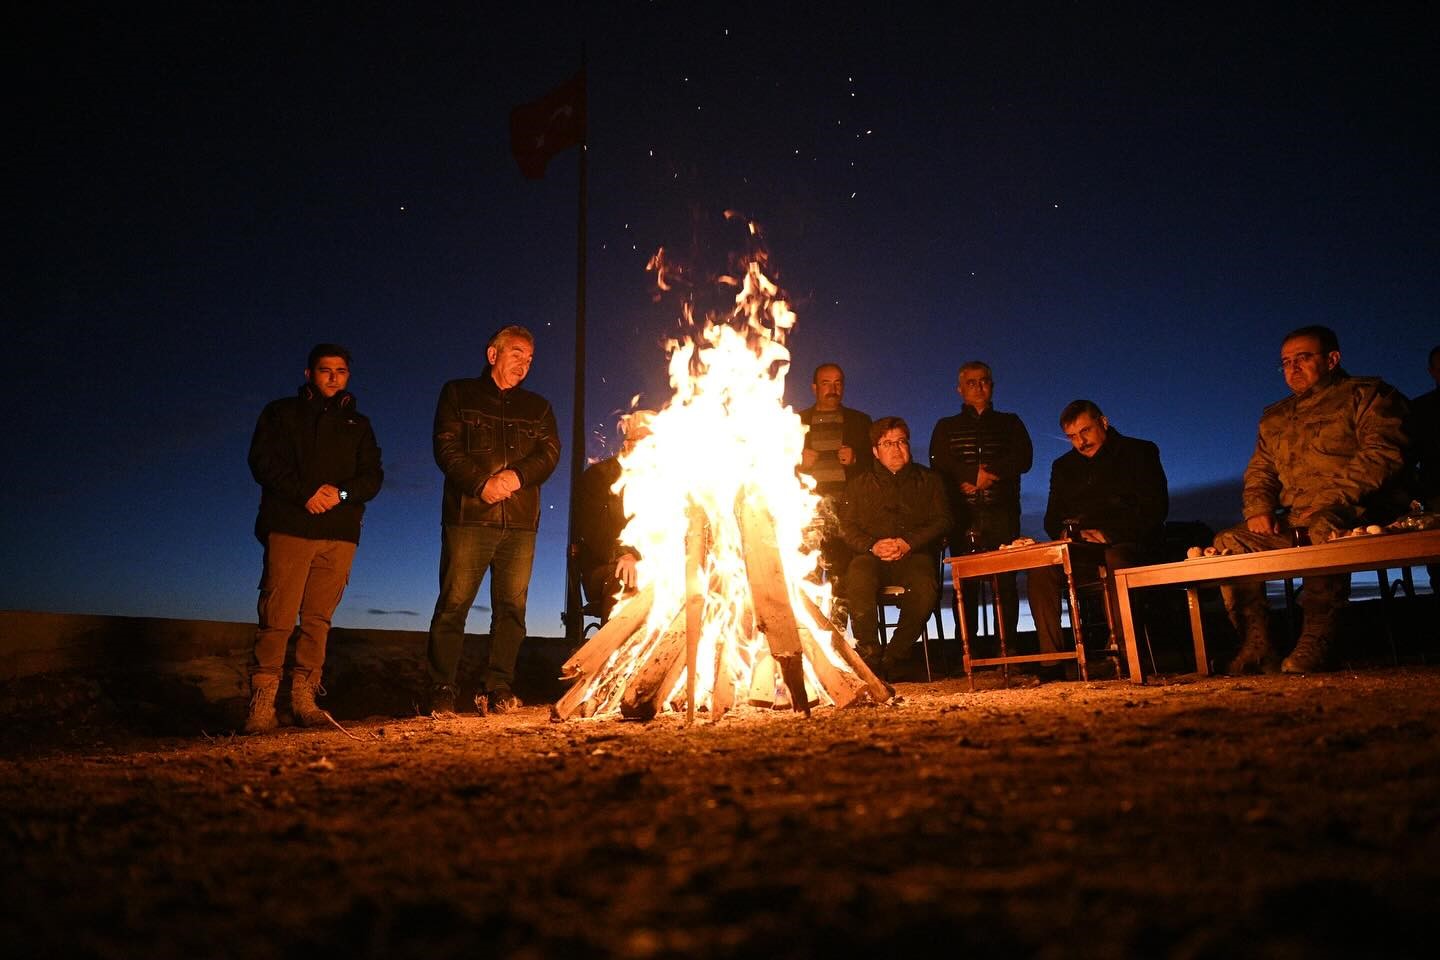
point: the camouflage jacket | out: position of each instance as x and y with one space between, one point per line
1321 454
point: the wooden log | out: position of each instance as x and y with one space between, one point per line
762 682
722 692
844 688
770 595
880 691
694 600
646 688
629 616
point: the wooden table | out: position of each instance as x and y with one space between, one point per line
992 563
1350 555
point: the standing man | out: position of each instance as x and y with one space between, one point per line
837 450
1112 490
496 443
895 517
317 463
1322 460
980 453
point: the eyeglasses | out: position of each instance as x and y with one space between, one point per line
892 444
1287 362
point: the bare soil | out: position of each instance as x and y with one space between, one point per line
1271 816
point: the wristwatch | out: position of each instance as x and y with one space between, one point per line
344 495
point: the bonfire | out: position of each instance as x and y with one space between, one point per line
729 609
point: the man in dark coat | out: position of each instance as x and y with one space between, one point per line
496 443
894 520
1111 490
980 453
317 463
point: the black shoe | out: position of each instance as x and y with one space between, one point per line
442 701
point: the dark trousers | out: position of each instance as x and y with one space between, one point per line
466 553
1046 584
918 573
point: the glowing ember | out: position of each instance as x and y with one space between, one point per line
719 516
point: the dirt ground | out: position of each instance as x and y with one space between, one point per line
1270 816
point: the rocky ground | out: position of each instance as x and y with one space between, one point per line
1270 816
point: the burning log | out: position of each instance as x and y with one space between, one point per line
628 617
694 601
770 593
645 692
879 689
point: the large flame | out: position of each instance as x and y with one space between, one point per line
726 438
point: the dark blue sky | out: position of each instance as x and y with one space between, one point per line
1127 204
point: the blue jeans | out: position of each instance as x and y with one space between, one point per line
466 552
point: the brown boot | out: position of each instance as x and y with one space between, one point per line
1311 655
302 702
1256 655
261 718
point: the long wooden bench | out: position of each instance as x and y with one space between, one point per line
1350 555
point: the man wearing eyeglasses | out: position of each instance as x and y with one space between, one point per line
894 519
1324 462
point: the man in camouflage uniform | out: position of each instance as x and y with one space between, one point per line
1322 455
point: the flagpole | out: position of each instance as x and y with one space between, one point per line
574 616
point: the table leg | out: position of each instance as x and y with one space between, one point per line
1127 633
1075 619
963 626
1000 621
1197 631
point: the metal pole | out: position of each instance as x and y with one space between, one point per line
574 616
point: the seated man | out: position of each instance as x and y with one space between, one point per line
1110 489
894 519
606 565
1322 455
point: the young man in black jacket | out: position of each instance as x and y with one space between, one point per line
496 442
317 464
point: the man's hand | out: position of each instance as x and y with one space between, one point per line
984 479
325 498
1264 523
625 571
500 486
846 455
968 488
890 548
1094 536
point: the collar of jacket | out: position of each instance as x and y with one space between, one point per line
342 402
969 411
885 474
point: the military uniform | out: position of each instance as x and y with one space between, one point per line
1320 459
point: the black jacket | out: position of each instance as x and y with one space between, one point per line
481 430
599 516
910 504
959 444
855 434
1121 491
302 443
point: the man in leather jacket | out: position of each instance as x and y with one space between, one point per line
496 444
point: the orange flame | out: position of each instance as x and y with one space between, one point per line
726 436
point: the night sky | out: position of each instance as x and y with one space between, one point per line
1106 201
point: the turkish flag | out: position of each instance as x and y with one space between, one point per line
542 128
